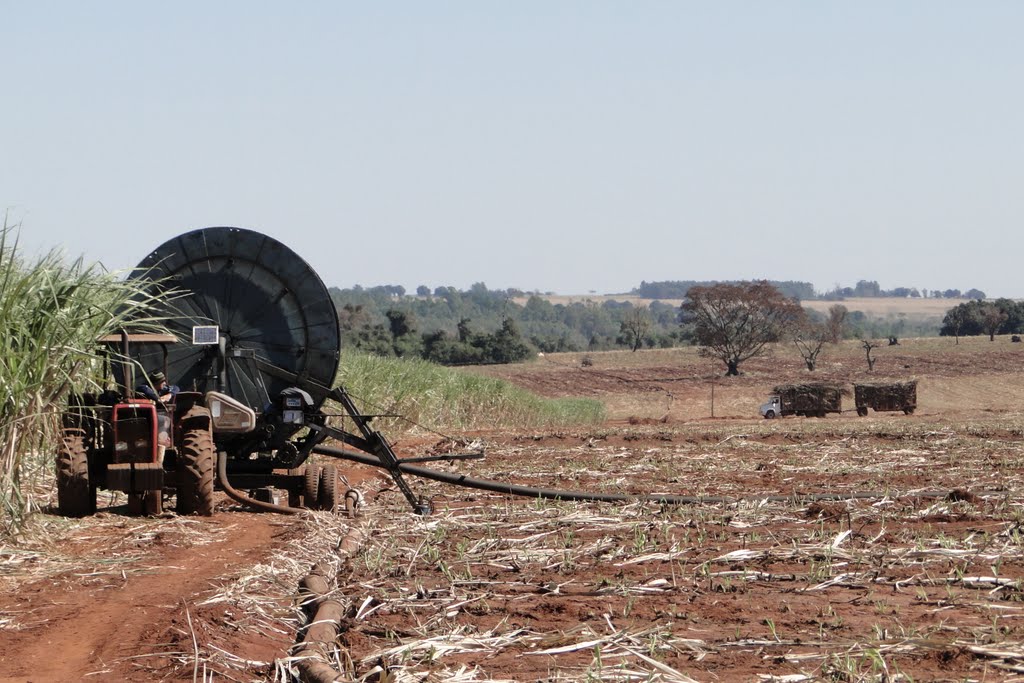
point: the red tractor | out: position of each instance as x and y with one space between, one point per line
256 347
122 441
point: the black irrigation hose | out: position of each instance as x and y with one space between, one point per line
237 496
552 494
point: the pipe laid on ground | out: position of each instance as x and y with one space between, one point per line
319 643
552 494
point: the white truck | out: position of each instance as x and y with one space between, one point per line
816 399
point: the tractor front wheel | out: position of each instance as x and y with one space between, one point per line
76 496
196 464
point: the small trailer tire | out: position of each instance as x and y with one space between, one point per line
311 486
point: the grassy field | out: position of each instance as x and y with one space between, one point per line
418 392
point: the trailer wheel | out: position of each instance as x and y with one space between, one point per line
196 464
862 412
909 410
770 415
311 486
76 496
329 497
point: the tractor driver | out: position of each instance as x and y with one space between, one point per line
163 394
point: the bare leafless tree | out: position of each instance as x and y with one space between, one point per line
809 339
869 346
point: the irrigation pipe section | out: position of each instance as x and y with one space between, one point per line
554 494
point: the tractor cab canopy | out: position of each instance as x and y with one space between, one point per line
123 356
139 338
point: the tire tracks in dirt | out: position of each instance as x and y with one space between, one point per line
79 629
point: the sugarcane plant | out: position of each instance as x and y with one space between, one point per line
52 311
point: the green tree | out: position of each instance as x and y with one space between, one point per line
506 345
405 341
836 321
956 319
992 318
401 323
734 322
635 328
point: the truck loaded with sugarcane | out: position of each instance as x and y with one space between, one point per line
817 399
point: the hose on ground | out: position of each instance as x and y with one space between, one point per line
237 496
553 494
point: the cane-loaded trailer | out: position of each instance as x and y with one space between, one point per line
886 396
254 350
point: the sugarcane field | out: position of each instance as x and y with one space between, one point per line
680 537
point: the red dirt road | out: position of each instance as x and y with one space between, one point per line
115 618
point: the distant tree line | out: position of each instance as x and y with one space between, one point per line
678 289
858 324
870 288
1001 316
487 326
804 291
481 325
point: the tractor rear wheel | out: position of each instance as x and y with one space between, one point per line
329 497
311 486
76 496
196 464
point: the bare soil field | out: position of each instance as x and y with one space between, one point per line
888 547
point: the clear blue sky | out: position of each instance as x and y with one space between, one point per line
556 146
